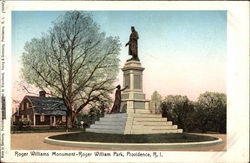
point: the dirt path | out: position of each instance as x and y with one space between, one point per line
34 141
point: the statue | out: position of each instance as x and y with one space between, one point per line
117 103
133 47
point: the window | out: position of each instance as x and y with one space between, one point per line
27 105
14 118
64 118
22 117
22 106
42 117
28 117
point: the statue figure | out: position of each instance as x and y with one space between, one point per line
117 103
133 47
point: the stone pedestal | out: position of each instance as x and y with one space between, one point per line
135 116
133 97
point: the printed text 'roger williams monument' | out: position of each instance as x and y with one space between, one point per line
134 116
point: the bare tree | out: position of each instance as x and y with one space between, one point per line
74 61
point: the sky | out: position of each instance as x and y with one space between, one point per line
183 52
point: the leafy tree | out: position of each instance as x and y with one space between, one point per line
176 109
208 113
74 60
94 114
155 102
211 108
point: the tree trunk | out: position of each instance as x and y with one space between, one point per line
69 122
71 116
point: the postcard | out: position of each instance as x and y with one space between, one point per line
128 81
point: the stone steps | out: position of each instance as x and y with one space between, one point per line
133 123
142 119
153 122
117 115
110 122
113 119
141 127
147 119
155 131
124 115
107 126
141 131
134 126
146 115
98 130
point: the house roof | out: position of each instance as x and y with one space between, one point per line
48 105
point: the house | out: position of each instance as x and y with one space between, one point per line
41 110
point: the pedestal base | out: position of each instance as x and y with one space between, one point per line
138 122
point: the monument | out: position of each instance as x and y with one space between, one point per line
133 46
134 116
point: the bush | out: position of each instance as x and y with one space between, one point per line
176 109
212 109
205 115
93 115
24 123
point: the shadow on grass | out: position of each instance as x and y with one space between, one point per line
143 138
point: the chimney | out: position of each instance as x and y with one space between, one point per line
42 93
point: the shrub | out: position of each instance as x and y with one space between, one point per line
208 113
24 123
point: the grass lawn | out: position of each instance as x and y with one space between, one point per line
143 138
